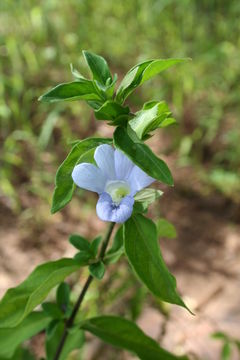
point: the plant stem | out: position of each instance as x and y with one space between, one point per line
106 241
82 294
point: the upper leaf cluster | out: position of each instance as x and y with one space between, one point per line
108 104
100 94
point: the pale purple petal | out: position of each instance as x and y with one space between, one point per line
123 165
104 157
138 180
89 177
109 211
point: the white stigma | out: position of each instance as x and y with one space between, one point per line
117 189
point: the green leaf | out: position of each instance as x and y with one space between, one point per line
64 183
116 250
144 255
18 302
79 242
141 73
97 270
125 334
74 340
166 229
98 66
63 296
94 246
149 118
52 326
121 120
157 66
142 156
21 353
95 105
81 89
130 81
110 110
167 122
52 310
83 258
11 338
144 198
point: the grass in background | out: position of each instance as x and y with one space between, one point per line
38 41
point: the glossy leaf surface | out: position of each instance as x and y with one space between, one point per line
143 252
125 334
98 66
141 73
18 302
11 338
81 89
142 156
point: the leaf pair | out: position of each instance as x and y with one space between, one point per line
88 254
87 249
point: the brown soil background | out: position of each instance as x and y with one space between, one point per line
204 258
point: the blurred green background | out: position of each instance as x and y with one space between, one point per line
38 42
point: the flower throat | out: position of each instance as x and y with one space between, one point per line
117 189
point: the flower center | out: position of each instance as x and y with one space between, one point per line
117 189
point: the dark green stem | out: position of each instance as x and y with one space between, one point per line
70 321
106 241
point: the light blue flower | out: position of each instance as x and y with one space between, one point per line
115 178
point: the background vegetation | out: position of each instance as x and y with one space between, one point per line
39 40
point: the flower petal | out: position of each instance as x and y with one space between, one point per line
108 211
123 165
104 157
138 180
89 177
